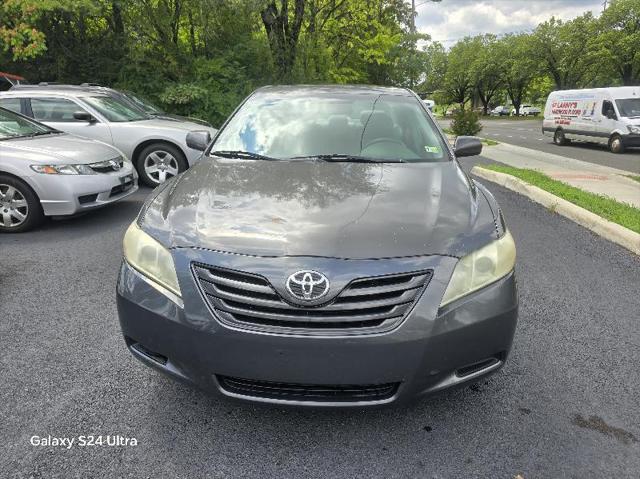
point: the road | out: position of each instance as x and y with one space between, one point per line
565 405
527 133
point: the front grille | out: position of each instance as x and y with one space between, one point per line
119 189
308 392
106 167
367 304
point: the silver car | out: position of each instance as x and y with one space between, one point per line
46 172
157 147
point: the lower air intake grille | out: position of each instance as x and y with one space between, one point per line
307 392
365 305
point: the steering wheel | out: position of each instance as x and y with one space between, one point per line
384 140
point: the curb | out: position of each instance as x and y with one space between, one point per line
605 228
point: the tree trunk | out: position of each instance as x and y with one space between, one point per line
283 36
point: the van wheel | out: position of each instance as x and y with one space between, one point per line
615 144
20 208
158 162
559 138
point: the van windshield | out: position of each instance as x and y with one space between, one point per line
629 107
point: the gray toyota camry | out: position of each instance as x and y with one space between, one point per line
328 250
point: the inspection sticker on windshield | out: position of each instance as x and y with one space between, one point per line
432 149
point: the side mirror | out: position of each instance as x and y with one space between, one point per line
198 140
467 146
84 116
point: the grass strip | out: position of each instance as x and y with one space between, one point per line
621 213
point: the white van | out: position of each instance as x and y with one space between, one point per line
600 115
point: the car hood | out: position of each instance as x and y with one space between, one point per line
159 123
314 208
173 117
58 148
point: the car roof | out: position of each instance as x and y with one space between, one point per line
355 89
60 89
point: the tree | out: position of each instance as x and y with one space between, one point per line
560 49
283 34
487 69
618 41
459 82
514 54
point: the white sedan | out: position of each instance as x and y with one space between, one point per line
157 147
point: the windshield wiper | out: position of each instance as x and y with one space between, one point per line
342 157
242 155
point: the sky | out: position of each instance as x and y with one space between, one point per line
450 20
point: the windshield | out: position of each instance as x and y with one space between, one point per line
16 126
629 107
143 103
114 110
301 124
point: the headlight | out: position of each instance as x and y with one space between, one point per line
481 268
151 259
63 169
634 129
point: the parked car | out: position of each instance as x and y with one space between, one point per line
500 111
609 116
526 110
46 172
330 252
157 147
134 100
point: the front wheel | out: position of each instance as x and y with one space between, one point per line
616 145
559 138
158 162
20 208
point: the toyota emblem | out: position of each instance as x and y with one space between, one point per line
307 285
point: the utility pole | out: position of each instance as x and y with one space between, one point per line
414 44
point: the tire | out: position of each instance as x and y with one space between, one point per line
615 144
20 208
158 162
559 139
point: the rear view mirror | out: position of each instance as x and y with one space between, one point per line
83 116
467 146
198 140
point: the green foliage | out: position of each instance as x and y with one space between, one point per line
201 57
466 123
617 44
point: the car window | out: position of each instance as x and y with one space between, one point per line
606 106
288 125
12 104
143 103
15 126
629 107
115 110
54 109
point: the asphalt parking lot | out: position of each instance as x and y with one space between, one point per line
527 133
565 405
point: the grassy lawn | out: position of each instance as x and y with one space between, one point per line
633 177
489 142
621 213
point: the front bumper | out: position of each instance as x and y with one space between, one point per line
631 140
432 349
63 195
